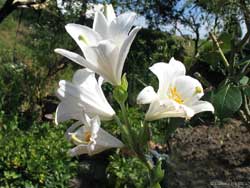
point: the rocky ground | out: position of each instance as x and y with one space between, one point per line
210 157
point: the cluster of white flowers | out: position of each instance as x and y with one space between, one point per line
105 48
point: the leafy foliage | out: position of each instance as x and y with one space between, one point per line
227 101
36 158
127 172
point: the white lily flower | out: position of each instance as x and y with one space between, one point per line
178 95
84 94
90 138
106 46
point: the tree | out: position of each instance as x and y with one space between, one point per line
11 5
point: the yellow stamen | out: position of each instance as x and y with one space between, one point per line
83 39
198 89
74 138
174 95
86 139
87 136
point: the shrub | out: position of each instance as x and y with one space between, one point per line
35 158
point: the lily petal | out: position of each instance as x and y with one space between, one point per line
124 51
163 109
99 141
147 95
166 73
190 89
177 66
100 81
71 129
122 24
76 58
107 140
100 25
90 101
83 62
84 94
66 111
109 12
105 54
96 123
78 150
201 106
189 112
84 78
83 36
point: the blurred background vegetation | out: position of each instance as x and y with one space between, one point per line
33 150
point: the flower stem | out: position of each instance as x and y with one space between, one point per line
138 151
117 119
130 136
124 114
128 126
124 132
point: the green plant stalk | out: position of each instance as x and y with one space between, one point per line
139 153
243 116
124 131
125 115
128 126
246 108
225 61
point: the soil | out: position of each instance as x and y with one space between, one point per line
210 157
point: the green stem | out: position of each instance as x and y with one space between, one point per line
138 151
117 119
225 61
124 132
127 124
246 107
124 114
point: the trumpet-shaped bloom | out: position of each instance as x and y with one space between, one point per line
90 138
84 94
106 45
178 95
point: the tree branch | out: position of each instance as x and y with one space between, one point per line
11 5
246 38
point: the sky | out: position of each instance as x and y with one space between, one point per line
141 21
204 29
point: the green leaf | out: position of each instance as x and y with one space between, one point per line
144 135
124 84
244 80
157 185
227 100
247 91
120 92
225 41
11 175
120 95
158 173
